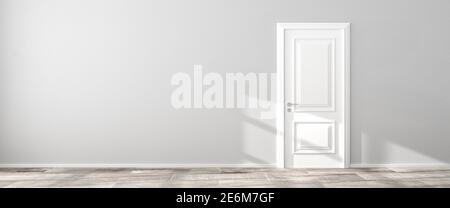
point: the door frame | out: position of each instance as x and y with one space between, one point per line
281 103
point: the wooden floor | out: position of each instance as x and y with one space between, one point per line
224 177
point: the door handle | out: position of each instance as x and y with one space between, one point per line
290 105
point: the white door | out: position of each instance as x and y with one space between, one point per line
314 59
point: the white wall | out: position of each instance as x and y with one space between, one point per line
88 81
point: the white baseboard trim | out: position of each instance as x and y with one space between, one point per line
402 165
139 165
195 165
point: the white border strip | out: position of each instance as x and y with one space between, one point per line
402 165
138 165
190 165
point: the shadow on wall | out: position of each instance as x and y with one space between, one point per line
403 119
403 137
253 130
408 126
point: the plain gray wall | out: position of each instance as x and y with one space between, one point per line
88 81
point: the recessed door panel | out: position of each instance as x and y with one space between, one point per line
314 74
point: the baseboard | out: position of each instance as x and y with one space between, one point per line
195 165
402 165
139 165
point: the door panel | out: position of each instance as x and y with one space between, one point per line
314 137
315 94
313 74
